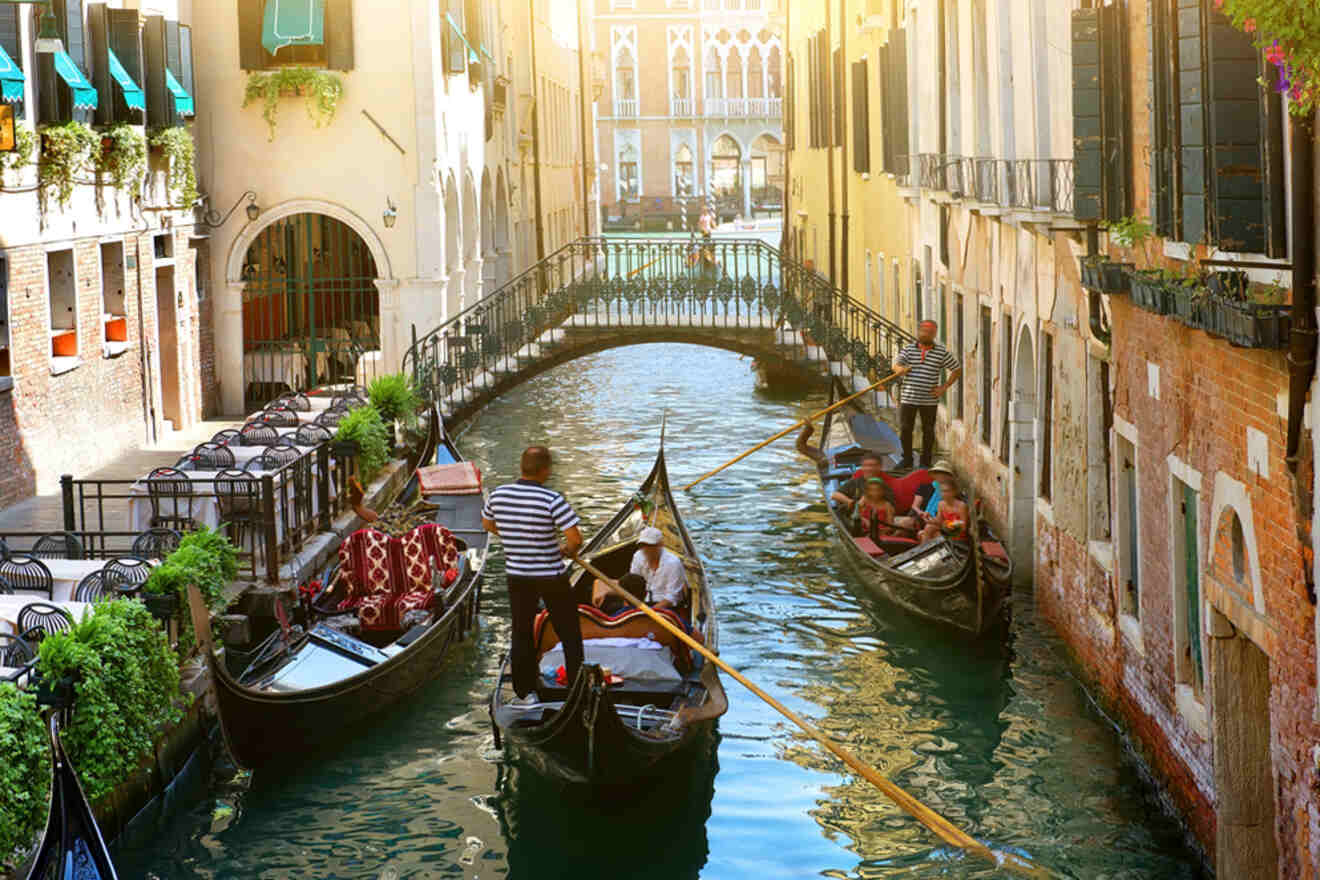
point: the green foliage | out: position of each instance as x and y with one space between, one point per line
1268 294
24 769
126 686
205 558
394 398
124 158
1289 35
1129 231
322 91
364 427
66 152
25 145
177 144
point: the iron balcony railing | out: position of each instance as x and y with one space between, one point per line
1039 185
629 285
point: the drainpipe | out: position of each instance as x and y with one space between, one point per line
587 167
536 135
843 163
829 135
785 235
1301 353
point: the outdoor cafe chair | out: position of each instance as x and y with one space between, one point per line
330 418
258 433
226 437
171 494
58 545
296 401
27 573
280 417
130 572
212 457
4 549
97 585
5 588
156 543
40 619
15 651
312 435
238 495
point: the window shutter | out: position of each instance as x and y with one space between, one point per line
75 33
1114 67
839 116
455 51
186 60
339 34
898 98
98 40
172 63
824 80
1163 100
47 97
790 106
1276 197
886 134
160 103
251 54
472 22
1191 100
812 101
12 42
1088 134
1236 173
861 119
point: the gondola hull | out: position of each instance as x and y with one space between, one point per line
72 847
948 583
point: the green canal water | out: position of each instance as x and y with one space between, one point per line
999 738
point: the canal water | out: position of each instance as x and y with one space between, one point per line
999 738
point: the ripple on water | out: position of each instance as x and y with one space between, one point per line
996 737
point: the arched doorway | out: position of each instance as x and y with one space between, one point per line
726 183
767 173
311 308
1022 434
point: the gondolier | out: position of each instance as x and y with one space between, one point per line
921 364
529 517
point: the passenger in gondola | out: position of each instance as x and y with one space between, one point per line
875 512
850 493
950 518
662 574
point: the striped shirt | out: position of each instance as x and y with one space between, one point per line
530 517
926 364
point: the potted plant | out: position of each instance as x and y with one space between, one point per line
1185 294
1149 291
395 399
362 435
1259 316
1102 274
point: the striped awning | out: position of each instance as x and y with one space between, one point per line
133 95
11 79
183 102
84 93
472 53
293 23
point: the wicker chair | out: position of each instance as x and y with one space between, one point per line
280 417
97 585
213 457
238 495
156 543
5 588
276 457
15 651
29 574
227 437
258 433
342 404
128 572
40 619
312 435
171 494
57 545
330 419
296 401
359 391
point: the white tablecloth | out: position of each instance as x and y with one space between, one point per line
368 367
11 605
68 573
276 367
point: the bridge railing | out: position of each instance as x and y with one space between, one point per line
617 284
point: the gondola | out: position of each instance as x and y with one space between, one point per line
307 687
940 580
604 732
72 847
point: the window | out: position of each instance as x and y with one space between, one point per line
790 106
166 69
11 43
1239 546
681 75
62 299
55 99
625 77
684 181
1189 667
917 294
714 74
629 186
5 364
1099 471
114 313
894 103
880 303
861 109
332 47
1005 387
1046 414
986 373
1129 559
896 289
836 78
1101 100
118 31
960 343
870 282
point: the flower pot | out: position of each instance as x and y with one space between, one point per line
1228 285
1105 276
1185 304
1150 293
1253 325
163 606
58 693
344 449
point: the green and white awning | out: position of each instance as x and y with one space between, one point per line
133 95
473 57
11 79
183 102
84 93
293 23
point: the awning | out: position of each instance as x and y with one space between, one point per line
293 23
133 95
84 93
472 53
11 79
183 102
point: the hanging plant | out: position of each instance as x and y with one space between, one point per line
1289 35
322 91
177 145
123 156
66 151
25 144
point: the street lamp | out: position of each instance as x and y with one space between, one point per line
390 214
48 40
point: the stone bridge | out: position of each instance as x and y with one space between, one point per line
599 293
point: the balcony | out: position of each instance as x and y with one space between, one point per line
745 108
680 106
625 107
1042 186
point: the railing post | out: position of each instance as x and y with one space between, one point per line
66 492
271 535
324 476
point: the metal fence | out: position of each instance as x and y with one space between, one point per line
1022 184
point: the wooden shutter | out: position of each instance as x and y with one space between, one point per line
824 79
861 111
813 102
251 54
886 136
44 82
455 51
98 41
897 94
1276 194
160 103
339 34
172 55
11 41
1192 138
186 61
1114 69
790 106
472 22
1162 58
1088 135
1236 172
837 108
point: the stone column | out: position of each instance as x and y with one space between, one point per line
395 330
746 180
229 346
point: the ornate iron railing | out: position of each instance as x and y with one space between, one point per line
623 285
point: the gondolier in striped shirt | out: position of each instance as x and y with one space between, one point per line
528 517
921 364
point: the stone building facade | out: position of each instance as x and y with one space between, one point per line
105 340
691 105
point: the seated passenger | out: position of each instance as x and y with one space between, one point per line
950 519
661 571
925 504
848 494
875 512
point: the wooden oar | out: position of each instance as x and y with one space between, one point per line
793 427
943 828
647 266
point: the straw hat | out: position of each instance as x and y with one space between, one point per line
942 467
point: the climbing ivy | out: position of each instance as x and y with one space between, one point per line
177 145
322 91
123 157
24 770
66 152
25 144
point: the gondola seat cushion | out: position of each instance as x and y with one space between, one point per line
387 577
869 547
905 487
365 566
462 478
634 624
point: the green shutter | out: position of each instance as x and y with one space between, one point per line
886 115
339 34
251 54
1237 168
1191 101
898 89
1088 133
1193 576
861 119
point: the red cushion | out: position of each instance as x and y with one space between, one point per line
365 565
867 546
994 549
905 488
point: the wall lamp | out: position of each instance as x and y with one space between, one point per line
48 40
214 220
390 214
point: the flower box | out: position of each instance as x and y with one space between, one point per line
1253 325
344 449
1105 276
1150 293
162 606
1187 305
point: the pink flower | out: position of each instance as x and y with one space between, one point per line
1275 54
1249 25
1219 4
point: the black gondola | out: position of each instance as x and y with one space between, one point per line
312 687
940 580
597 733
72 847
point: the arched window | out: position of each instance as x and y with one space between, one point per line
1239 542
714 74
625 76
683 177
773 78
755 73
681 75
733 76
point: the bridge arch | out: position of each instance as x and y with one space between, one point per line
243 241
